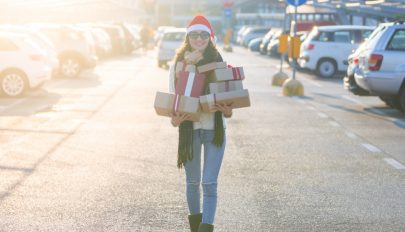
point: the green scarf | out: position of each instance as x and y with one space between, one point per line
185 148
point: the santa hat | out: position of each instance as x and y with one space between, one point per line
199 22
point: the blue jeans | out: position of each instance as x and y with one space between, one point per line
213 156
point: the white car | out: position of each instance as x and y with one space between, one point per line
75 48
171 40
326 48
23 64
159 33
253 33
381 65
39 39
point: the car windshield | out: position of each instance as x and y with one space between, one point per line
174 36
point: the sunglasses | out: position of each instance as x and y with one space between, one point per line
203 35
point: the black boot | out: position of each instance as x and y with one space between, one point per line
205 228
194 221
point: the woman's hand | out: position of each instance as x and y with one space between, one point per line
225 109
178 118
193 57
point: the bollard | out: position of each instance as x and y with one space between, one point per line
279 78
228 48
293 87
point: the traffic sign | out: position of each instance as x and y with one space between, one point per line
296 2
228 12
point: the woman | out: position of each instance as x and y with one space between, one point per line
199 49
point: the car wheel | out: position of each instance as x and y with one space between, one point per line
326 68
70 67
395 103
386 100
13 83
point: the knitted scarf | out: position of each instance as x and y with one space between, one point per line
185 148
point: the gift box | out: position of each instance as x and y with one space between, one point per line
190 84
225 86
182 66
211 66
238 99
229 74
166 104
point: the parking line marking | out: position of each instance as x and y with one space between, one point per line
394 163
313 82
377 111
333 123
353 100
351 135
322 115
371 148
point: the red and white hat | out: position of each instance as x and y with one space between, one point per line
199 22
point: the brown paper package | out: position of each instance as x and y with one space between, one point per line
226 74
238 99
211 66
220 87
164 105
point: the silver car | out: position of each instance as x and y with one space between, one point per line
381 68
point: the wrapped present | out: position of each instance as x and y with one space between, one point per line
182 66
190 84
166 104
225 86
229 74
211 66
238 99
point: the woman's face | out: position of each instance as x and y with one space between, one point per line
199 40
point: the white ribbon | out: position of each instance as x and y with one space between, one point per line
189 85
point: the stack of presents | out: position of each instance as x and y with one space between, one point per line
189 98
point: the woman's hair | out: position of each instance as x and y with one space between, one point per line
185 148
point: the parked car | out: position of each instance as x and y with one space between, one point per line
40 40
326 48
349 82
240 32
170 42
266 40
381 68
272 47
253 33
23 64
159 33
134 29
254 44
117 38
75 47
102 42
130 38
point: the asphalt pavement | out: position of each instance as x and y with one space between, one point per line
90 154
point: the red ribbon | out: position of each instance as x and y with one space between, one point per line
240 76
236 74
